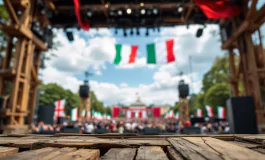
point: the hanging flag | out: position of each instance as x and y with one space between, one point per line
160 53
177 115
128 114
108 117
144 114
74 114
136 114
216 9
83 113
59 109
125 54
199 113
209 111
221 112
171 114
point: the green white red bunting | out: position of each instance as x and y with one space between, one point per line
209 111
160 53
221 112
199 113
74 114
100 116
157 53
125 54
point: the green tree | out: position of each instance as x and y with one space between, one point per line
52 92
217 95
217 74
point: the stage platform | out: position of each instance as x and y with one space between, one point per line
130 147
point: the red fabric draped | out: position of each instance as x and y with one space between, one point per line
156 112
115 112
83 25
216 9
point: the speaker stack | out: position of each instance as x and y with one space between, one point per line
46 113
183 89
84 91
241 115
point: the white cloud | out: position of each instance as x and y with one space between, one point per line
81 54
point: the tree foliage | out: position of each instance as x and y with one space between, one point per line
52 92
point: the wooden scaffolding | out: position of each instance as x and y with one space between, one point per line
19 70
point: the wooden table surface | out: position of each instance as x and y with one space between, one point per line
132 147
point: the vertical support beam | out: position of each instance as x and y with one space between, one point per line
233 77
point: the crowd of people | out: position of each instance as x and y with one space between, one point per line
164 126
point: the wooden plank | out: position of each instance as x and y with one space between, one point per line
32 154
5 151
191 151
230 151
245 144
253 138
81 154
173 154
120 153
260 150
57 153
151 152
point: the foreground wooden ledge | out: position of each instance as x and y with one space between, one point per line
144 147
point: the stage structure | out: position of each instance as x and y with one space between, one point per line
183 102
84 93
29 34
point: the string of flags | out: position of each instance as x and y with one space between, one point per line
221 113
157 53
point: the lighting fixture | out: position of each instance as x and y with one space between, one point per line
124 33
143 11
199 32
129 11
142 4
137 32
155 11
147 33
131 32
119 12
107 5
180 9
89 13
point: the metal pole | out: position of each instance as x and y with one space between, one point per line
191 79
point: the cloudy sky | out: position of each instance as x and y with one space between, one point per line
94 51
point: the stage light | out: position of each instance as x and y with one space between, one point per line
124 33
142 4
137 32
158 29
155 11
199 32
116 31
89 13
147 33
119 12
180 9
131 32
107 5
143 11
129 11
70 35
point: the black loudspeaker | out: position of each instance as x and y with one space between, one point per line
70 35
45 114
197 120
84 91
183 90
241 115
151 131
192 130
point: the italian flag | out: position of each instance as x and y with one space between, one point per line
136 114
199 112
221 112
209 111
128 114
177 115
74 114
171 114
125 54
160 53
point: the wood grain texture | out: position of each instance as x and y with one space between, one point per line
245 144
231 151
5 151
120 153
173 154
81 154
192 151
151 153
